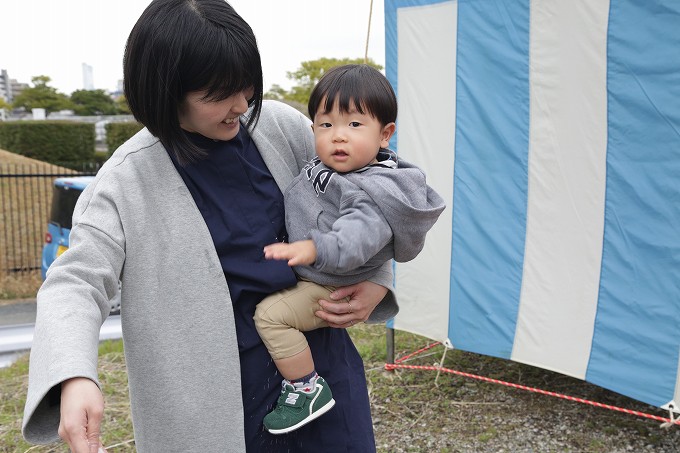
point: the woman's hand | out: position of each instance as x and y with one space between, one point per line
351 304
82 408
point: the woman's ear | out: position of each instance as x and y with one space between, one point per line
386 134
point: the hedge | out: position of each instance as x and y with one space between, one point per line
57 142
118 133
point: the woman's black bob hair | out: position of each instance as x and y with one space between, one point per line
180 46
358 85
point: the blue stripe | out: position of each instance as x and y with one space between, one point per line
490 179
635 343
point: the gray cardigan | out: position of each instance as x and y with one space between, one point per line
138 222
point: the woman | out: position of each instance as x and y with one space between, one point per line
180 214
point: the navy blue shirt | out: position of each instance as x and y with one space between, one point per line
243 209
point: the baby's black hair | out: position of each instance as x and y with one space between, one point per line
358 85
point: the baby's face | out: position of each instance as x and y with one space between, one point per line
347 141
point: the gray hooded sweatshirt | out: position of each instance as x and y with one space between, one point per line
361 219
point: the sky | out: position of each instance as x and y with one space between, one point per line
55 37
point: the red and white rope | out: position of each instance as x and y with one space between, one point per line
666 422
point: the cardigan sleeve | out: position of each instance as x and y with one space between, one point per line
72 304
388 307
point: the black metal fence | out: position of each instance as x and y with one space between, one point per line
25 201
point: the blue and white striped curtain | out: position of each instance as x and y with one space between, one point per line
552 129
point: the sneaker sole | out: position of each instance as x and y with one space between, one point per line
312 417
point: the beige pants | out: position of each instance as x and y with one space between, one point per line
281 317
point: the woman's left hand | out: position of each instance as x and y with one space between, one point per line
341 312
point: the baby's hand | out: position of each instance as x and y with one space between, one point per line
299 253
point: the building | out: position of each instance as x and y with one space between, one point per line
10 88
17 88
119 89
5 87
88 77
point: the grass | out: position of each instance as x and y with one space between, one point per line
412 411
454 413
117 423
19 286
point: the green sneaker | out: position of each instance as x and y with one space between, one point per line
296 408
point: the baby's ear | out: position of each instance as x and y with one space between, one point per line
386 134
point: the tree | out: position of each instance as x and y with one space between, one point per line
93 102
41 95
307 76
4 105
279 94
276 92
122 105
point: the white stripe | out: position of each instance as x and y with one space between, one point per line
567 169
426 132
676 396
674 404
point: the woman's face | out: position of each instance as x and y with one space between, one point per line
218 120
